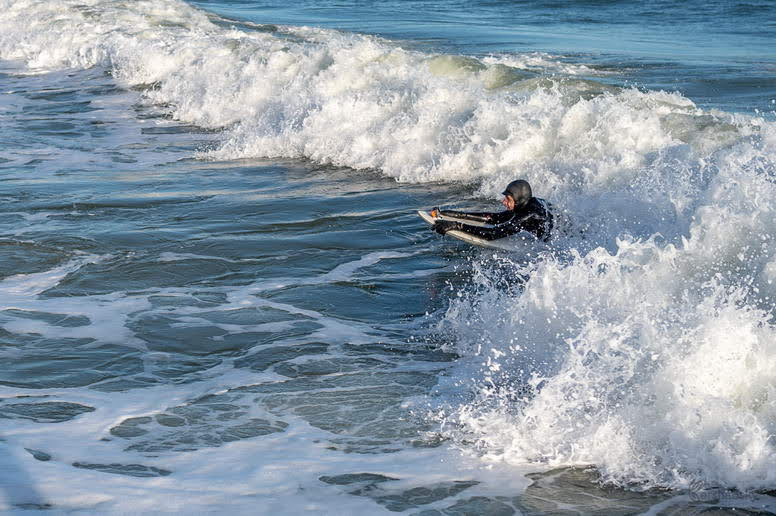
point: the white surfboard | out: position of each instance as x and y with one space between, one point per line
511 243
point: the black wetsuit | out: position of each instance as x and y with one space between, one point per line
534 217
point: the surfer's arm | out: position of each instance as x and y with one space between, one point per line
502 217
509 227
477 216
486 233
489 233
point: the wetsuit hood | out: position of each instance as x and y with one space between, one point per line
520 191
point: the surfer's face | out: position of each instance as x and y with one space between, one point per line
508 202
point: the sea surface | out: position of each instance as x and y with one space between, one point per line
216 296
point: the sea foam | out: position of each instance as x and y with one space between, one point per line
650 357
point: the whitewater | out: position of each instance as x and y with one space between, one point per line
216 218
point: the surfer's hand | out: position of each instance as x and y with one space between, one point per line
443 226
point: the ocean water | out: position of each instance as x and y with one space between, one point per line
216 296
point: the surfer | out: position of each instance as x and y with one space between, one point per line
524 213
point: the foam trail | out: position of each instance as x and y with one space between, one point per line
21 286
106 314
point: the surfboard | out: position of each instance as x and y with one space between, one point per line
511 243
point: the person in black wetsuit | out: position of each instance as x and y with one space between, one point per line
524 213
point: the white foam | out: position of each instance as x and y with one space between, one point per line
275 474
106 314
176 257
651 359
20 287
345 271
543 62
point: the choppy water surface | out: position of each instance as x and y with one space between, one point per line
215 295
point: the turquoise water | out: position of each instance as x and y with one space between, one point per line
216 296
